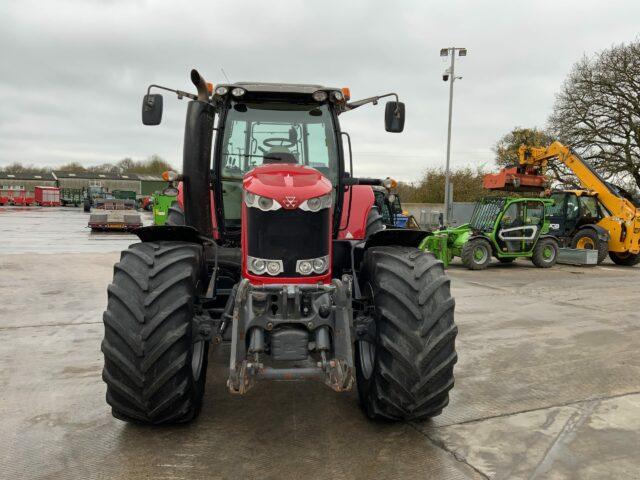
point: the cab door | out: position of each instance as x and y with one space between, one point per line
519 226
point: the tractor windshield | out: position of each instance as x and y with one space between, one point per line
256 133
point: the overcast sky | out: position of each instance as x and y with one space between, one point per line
72 73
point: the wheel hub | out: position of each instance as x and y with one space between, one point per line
479 254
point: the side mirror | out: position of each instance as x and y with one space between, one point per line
152 109
394 117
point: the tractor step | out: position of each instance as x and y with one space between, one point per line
578 256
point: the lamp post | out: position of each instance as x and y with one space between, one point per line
450 76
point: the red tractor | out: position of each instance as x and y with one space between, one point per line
276 248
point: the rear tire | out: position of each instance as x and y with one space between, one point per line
588 239
476 254
545 253
506 259
154 371
175 215
405 370
625 259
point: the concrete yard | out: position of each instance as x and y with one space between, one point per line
547 383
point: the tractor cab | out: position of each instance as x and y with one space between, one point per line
573 209
260 130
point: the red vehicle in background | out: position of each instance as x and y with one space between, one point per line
47 196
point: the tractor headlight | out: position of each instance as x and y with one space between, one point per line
313 265
317 203
304 267
221 90
274 267
319 265
238 92
260 266
319 96
263 203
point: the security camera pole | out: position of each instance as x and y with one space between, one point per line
450 75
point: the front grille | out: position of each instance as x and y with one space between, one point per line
287 235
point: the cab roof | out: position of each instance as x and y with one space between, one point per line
266 87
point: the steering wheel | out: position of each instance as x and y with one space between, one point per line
284 142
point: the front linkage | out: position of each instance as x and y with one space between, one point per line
297 322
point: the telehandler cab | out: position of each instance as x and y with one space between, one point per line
502 227
268 250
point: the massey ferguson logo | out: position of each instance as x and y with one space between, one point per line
290 202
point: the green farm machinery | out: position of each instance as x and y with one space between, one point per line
162 201
506 228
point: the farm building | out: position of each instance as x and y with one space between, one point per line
28 181
150 184
110 181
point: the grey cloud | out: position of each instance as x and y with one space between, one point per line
73 72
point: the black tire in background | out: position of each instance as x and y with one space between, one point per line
625 259
506 259
406 371
175 215
374 222
470 254
154 371
588 238
545 253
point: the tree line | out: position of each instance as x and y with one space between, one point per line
154 165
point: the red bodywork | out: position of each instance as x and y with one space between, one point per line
289 185
278 181
353 226
514 179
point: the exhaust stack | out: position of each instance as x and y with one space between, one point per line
196 160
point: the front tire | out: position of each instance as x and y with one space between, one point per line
404 370
625 259
476 254
154 371
545 253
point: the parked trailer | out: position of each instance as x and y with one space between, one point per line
47 196
114 214
16 196
71 197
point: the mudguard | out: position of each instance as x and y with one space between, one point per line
396 236
603 233
177 233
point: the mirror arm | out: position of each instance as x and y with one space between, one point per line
373 100
179 93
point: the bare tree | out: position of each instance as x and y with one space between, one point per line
597 112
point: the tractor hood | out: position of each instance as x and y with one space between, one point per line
288 184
